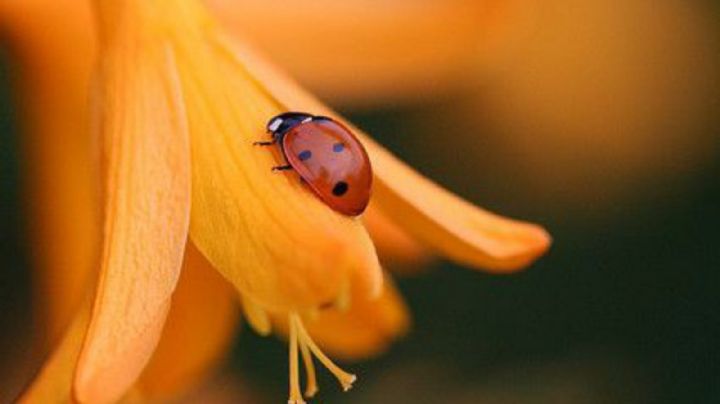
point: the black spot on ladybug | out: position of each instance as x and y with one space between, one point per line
340 188
338 147
304 155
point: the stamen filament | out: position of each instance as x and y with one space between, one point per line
295 396
346 379
312 388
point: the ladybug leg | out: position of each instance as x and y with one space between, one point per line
268 143
282 168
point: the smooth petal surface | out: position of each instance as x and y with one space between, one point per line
399 252
452 226
264 231
403 48
146 206
198 332
366 329
443 221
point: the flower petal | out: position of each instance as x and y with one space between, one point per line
256 317
454 227
147 204
366 328
53 383
444 38
264 231
199 330
399 252
447 223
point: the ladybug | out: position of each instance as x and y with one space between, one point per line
327 156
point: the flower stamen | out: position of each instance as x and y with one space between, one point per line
346 379
312 388
295 396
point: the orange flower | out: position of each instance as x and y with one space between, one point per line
404 49
178 106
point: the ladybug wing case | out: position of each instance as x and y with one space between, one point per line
332 162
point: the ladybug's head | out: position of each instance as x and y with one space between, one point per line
281 124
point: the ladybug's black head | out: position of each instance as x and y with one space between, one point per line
280 124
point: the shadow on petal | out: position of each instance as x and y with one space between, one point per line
198 332
398 250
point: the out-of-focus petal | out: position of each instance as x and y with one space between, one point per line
256 317
399 252
595 127
262 230
227 388
365 329
368 52
443 221
199 329
198 332
53 43
54 382
146 205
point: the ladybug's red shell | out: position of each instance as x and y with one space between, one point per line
333 163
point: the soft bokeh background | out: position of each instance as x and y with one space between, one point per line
596 118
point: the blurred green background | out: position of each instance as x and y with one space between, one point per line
623 309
